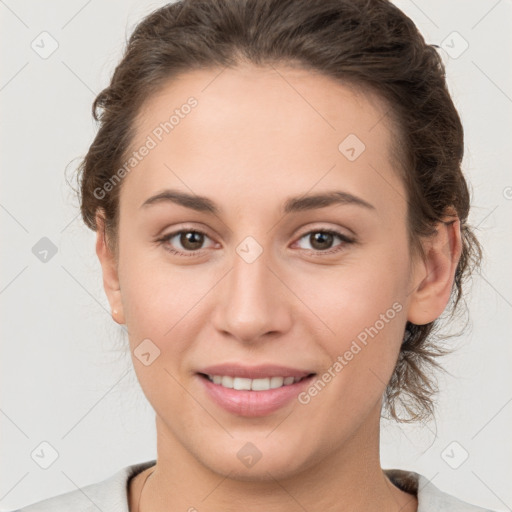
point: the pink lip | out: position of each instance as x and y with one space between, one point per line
254 372
253 403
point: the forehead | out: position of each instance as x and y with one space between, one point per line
262 130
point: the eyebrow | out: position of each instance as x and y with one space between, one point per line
292 204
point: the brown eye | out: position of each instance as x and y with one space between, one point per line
321 241
185 242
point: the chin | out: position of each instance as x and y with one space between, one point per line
261 461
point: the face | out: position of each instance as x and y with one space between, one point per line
259 279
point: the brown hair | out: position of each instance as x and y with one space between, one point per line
367 43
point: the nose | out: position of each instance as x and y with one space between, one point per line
253 304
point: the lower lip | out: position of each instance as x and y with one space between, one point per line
253 403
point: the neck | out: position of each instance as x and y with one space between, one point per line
349 478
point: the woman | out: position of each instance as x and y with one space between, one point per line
281 218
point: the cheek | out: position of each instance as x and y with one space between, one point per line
164 304
347 300
155 294
161 321
365 311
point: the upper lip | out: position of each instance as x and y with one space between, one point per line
254 372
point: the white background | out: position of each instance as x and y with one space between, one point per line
64 376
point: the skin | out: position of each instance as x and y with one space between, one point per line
257 137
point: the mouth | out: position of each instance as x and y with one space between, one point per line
253 391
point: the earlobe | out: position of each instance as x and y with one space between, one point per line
434 276
109 270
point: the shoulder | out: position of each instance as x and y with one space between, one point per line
107 495
435 499
430 498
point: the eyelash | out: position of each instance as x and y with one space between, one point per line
345 239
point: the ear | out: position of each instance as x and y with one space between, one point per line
109 269
433 277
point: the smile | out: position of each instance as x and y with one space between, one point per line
253 391
242 383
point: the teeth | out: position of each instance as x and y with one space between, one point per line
227 382
241 383
276 382
260 384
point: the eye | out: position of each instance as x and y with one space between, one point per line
321 241
190 240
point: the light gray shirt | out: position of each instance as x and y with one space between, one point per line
111 495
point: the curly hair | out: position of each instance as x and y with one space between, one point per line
369 44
